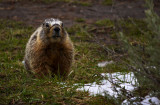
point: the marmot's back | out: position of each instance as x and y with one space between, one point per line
49 50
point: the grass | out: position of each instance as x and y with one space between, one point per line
80 20
107 2
77 2
19 87
105 22
82 3
132 28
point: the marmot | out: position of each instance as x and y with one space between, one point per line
49 50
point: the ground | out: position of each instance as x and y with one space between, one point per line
91 25
33 13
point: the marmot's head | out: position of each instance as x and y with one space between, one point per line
53 30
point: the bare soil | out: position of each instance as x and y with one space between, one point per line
33 13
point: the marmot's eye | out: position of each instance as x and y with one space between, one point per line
47 25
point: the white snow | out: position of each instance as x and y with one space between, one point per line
23 62
125 80
148 100
105 63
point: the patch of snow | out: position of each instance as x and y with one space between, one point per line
125 80
23 62
151 67
148 100
105 63
126 102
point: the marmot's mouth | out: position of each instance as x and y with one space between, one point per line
56 36
56 32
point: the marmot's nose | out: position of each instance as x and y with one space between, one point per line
56 29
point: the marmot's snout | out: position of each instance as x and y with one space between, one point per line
56 31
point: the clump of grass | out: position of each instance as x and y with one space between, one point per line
80 20
80 31
105 22
107 2
134 30
82 3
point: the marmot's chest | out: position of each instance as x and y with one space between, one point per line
55 55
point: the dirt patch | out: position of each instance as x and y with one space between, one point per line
34 13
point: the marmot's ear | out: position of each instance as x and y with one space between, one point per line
46 25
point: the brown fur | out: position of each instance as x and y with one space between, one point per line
46 54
